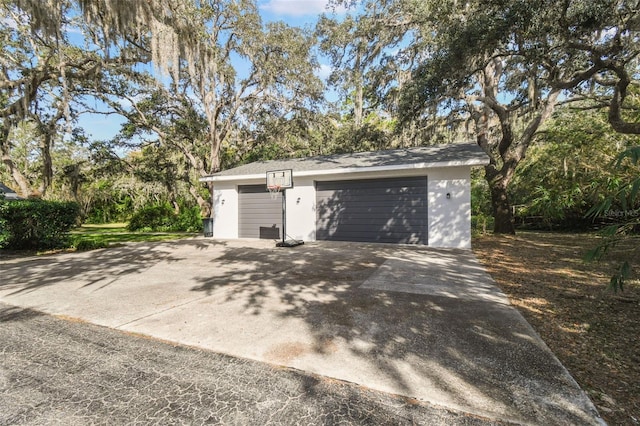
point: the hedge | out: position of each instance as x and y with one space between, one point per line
36 224
162 218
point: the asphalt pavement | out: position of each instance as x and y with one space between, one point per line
56 371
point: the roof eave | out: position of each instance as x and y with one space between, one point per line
305 173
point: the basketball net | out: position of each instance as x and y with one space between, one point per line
274 190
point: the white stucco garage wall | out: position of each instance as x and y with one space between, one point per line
225 210
449 218
301 210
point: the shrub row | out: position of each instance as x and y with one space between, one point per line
36 224
162 218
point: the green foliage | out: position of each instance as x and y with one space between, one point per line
107 203
620 277
36 224
480 196
482 220
162 218
564 175
627 197
188 220
481 224
156 217
109 212
374 134
84 244
91 237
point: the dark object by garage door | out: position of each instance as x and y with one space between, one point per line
373 210
259 216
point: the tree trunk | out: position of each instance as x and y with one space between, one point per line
358 101
47 164
206 208
507 153
502 212
24 188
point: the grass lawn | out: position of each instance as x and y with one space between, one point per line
593 331
116 233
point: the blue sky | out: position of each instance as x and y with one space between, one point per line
294 12
299 13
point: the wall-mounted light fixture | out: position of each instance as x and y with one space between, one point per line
448 195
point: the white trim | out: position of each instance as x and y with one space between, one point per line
304 173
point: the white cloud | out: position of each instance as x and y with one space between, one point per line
323 71
295 7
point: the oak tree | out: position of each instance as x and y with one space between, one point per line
500 67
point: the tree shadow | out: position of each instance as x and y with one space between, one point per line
469 349
94 268
388 211
12 313
469 345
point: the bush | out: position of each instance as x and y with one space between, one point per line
84 244
481 224
36 224
162 218
151 218
189 220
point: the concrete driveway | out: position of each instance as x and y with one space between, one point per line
423 323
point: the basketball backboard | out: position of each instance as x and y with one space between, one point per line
279 180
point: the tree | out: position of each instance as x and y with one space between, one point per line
41 76
566 173
224 65
346 43
367 74
499 67
626 195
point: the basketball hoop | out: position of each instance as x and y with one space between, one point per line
279 181
274 190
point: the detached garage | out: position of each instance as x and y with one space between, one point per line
408 196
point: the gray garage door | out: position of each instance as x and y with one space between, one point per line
373 210
259 216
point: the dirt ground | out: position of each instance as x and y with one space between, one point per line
592 330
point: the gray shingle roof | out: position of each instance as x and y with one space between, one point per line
431 156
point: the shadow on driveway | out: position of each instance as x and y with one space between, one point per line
427 324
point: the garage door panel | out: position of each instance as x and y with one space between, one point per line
365 226
376 218
379 192
381 209
391 237
368 184
381 199
373 190
382 229
374 210
259 216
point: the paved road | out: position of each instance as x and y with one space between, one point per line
57 371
